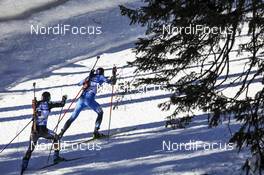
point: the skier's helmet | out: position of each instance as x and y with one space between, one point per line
46 96
100 71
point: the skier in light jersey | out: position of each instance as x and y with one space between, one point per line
87 99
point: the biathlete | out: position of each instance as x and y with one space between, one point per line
43 109
87 99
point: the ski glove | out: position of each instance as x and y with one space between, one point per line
64 98
113 80
91 73
34 103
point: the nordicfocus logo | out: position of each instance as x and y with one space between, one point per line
193 145
196 29
64 29
68 146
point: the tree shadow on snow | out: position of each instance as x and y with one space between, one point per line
139 151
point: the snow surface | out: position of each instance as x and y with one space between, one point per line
57 64
24 56
140 151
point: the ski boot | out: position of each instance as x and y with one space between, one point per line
97 135
57 158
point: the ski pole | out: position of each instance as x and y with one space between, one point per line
60 118
111 102
34 90
55 130
110 114
34 109
16 136
97 58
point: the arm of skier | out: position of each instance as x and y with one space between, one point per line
58 104
85 81
35 103
81 83
104 79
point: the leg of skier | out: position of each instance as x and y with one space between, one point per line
49 134
79 107
98 109
32 142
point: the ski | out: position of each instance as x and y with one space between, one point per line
103 137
